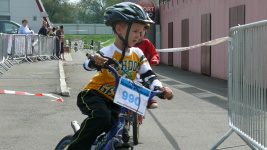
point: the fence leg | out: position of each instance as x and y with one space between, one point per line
11 59
25 58
55 57
16 61
228 133
4 66
247 142
28 58
9 62
38 56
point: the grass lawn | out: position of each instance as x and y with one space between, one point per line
87 38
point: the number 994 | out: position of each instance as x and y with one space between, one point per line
131 98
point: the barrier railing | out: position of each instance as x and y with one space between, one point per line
4 44
29 48
247 84
1 51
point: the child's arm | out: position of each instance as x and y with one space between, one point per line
154 57
150 77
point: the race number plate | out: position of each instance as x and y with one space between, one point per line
132 96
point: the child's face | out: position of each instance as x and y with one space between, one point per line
135 33
143 33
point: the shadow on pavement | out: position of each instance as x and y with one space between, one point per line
167 134
206 88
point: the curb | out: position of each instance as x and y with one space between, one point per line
63 85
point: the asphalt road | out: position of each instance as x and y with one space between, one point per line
194 120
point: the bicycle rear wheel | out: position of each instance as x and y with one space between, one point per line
135 128
64 142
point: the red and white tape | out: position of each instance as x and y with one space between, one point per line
209 43
26 93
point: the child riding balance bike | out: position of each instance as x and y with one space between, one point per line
96 100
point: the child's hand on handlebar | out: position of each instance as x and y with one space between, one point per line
167 92
99 60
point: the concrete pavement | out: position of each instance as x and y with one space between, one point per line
194 120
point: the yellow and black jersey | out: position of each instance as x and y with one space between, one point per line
133 63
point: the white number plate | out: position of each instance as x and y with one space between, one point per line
130 96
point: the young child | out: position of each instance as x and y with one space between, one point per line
148 48
152 55
96 101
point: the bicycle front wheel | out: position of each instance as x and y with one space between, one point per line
64 142
135 128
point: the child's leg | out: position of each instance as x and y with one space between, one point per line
62 56
97 122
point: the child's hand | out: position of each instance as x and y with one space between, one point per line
168 93
153 62
99 60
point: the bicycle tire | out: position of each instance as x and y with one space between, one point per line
135 128
64 142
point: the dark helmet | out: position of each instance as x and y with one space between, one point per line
126 12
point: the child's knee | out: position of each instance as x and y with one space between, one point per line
105 114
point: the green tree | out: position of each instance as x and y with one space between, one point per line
60 11
84 11
92 11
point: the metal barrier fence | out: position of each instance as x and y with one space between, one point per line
29 48
247 84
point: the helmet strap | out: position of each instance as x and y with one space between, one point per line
125 41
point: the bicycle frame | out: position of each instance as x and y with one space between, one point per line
114 136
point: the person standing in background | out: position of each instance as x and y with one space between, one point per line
60 39
24 29
56 29
49 31
92 44
76 46
58 36
43 30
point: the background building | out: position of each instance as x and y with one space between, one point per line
16 10
189 22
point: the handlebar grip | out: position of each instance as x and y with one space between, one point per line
160 94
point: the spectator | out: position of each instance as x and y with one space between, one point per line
58 36
43 30
59 43
56 29
24 29
49 31
76 46
92 44
62 43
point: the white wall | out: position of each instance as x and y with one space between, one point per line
25 9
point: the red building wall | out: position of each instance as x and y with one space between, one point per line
177 10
